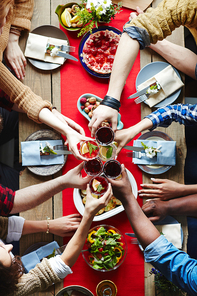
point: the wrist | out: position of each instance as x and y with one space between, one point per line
111 102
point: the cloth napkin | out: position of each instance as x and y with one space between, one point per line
167 156
36 48
172 232
169 81
30 260
31 153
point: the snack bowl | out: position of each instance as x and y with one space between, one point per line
99 253
70 289
60 9
98 99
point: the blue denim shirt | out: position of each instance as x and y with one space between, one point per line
174 264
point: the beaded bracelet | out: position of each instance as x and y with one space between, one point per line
111 102
48 225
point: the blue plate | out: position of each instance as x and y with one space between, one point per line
151 69
81 45
119 125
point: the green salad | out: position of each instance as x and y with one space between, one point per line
106 248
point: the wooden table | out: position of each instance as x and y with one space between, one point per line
47 85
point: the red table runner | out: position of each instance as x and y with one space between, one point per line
75 81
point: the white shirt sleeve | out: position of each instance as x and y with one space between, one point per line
59 267
15 228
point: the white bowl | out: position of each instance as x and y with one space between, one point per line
80 206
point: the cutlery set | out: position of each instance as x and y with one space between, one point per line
144 94
61 51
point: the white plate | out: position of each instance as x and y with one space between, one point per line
80 206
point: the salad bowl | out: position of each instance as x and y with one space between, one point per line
105 248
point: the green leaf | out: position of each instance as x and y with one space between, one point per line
92 147
99 188
109 151
145 147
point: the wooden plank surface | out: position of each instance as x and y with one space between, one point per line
47 85
132 4
175 131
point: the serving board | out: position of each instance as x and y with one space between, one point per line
132 4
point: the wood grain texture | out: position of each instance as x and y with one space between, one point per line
47 85
177 132
132 4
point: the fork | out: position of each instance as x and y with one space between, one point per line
145 96
61 47
133 154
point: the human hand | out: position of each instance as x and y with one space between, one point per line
135 14
74 178
65 226
93 205
122 137
69 122
73 138
122 187
155 209
100 114
163 188
14 56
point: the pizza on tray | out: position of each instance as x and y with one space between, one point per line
99 51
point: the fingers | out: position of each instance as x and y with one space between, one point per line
18 66
107 196
114 125
139 11
158 180
94 126
149 186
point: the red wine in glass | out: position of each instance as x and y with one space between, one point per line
88 149
93 167
98 185
112 169
104 135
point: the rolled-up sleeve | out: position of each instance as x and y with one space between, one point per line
139 34
174 264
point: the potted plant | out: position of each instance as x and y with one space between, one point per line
94 12
163 287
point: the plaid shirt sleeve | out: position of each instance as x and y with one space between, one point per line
6 200
183 113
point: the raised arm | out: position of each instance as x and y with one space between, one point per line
29 197
174 264
76 243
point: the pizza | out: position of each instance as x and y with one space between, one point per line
99 51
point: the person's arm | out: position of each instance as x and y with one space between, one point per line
124 59
174 264
178 56
156 209
20 20
166 189
29 197
181 113
64 226
76 243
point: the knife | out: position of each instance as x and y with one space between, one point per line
139 93
131 234
60 152
134 148
66 55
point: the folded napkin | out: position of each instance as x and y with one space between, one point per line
30 151
172 232
169 81
167 156
36 48
30 260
